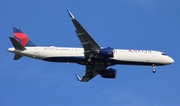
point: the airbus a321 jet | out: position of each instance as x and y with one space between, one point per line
97 59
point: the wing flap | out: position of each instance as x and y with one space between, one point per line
84 36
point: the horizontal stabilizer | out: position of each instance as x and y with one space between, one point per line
16 44
17 56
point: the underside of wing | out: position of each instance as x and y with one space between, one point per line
91 72
88 43
92 51
87 76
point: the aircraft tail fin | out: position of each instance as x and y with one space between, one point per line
17 56
21 37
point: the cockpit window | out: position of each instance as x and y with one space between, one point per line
164 54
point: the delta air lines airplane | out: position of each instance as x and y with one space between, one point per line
97 59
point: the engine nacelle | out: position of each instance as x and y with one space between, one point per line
109 73
107 52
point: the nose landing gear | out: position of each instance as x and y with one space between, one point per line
153 68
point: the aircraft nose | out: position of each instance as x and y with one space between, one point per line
171 60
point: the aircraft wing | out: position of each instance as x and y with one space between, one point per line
90 46
91 72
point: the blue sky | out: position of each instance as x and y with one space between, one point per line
131 24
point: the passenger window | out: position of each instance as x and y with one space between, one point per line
163 54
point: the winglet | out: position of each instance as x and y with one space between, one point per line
70 14
78 78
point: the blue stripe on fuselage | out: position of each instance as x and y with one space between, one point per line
64 59
98 61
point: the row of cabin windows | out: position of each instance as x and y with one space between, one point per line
82 50
62 49
131 51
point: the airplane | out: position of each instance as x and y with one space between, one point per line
95 58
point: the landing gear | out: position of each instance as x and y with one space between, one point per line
89 59
153 68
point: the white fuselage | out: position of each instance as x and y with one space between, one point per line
76 55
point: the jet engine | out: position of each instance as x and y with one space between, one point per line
109 73
107 52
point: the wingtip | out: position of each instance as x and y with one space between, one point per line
70 14
78 78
